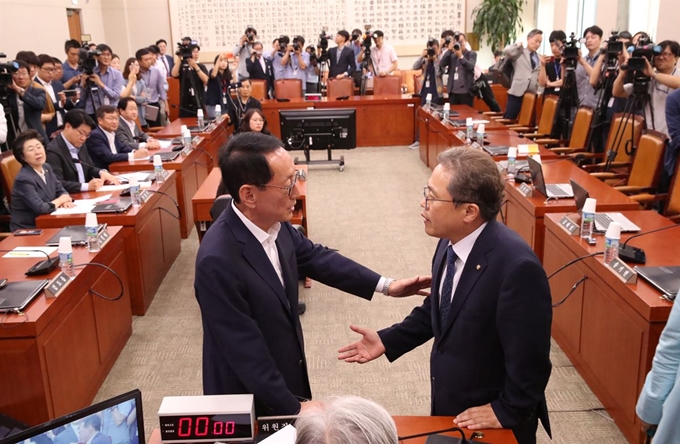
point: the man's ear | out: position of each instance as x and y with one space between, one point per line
248 195
471 212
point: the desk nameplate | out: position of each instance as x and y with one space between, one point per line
623 271
57 285
525 190
569 225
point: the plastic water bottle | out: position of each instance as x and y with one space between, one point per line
588 219
158 169
512 159
428 101
92 231
134 191
446 113
186 138
66 256
611 242
480 134
468 128
218 112
200 119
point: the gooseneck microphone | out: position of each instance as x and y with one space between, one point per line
463 439
39 268
637 255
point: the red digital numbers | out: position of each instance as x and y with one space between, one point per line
201 427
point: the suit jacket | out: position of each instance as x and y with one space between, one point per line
171 63
100 151
52 126
256 72
126 138
100 438
525 78
32 197
67 436
347 63
465 65
252 337
34 103
495 345
59 158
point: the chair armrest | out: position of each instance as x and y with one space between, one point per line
648 198
506 121
564 150
492 113
608 175
534 136
522 129
555 142
675 218
633 189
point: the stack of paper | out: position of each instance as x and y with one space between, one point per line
82 206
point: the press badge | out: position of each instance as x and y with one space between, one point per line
611 102
427 84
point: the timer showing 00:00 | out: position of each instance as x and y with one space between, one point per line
186 427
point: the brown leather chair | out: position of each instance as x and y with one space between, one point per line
259 91
579 134
339 87
387 86
526 112
10 168
620 131
671 198
545 124
288 88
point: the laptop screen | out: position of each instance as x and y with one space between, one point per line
580 195
537 176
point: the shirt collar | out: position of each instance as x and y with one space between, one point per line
70 147
463 247
261 235
108 133
132 125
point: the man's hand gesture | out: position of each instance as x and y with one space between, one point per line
365 350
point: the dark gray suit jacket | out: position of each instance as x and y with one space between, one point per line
465 65
64 167
32 197
125 137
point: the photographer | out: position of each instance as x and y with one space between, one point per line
108 83
383 56
432 74
71 72
586 93
461 65
192 85
218 86
341 58
355 44
3 126
244 50
294 61
54 90
550 75
26 101
526 66
313 70
154 82
260 67
664 79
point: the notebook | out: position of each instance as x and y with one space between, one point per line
117 207
496 150
555 191
602 220
167 156
75 232
664 279
16 295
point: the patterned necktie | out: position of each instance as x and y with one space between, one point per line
447 288
534 60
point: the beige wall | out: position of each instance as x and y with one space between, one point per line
669 19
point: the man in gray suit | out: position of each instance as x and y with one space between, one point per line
461 64
526 66
128 133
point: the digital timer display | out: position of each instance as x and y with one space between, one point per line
197 428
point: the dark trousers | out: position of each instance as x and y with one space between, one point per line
513 107
526 433
461 99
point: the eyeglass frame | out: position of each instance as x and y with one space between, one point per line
289 188
431 199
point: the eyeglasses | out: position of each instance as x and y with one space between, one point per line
426 192
107 55
257 120
665 55
48 69
289 188
83 133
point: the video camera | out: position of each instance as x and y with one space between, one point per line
367 40
184 48
614 48
323 39
6 71
250 33
637 62
456 37
355 36
235 85
431 52
86 59
570 52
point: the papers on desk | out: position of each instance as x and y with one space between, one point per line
524 150
109 188
165 144
140 159
82 206
24 252
286 435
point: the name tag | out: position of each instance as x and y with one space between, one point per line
611 103
455 76
427 84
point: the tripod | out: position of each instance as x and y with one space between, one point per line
599 121
366 67
188 86
323 69
568 100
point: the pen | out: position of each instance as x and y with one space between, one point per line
19 254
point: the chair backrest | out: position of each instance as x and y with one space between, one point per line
288 88
221 202
545 124
408 79
259 91
387 86
620 131
9 169
673 201
581 129
648 161
526 113
340 87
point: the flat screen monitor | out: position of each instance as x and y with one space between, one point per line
319 129
115 420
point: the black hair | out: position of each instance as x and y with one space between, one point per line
673 46
20 140
625 35
105 109
141 53
94 421
497 54
557 36
345 34
250 29
56 61
77 117
28 57
378 33
44 58
115 56
23 65
104 47
245 121
447 33
299 39
155 48
71 44
123 103
357 31
159 41
593 30
243 161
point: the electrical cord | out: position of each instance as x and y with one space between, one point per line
573 289
17 312
178 216
578 259
212 160
120 281
452 429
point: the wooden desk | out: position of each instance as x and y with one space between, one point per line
54 361
413 425
214 139
381 120
151 235
525 214
190 173
205 196
609 329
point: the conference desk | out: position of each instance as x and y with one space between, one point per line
609 329
151 237
203 200
413 425
380 120
526 215
215 137
190 171
54 359
436 137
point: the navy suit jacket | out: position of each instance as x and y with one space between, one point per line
252 337
59 158
67 436
347 63
256 72
34 102
171 63
100 151
495 346
32 197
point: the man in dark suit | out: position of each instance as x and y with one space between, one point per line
166 59
68 156
246 282
489 308
128 133
90 431
26 102
461 65
66 436
341 58
260 68
103 145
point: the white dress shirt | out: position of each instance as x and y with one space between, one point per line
50 90
164 71
111 137
462 248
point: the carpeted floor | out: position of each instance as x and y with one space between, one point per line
371 213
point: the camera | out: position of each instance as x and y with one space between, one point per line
355 36
367 40
86 59
570 52
431 52
250 33
639 56
184 48
284 40
235 85
323 39
614 48
6 71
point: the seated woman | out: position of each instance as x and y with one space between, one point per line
36 189
254 120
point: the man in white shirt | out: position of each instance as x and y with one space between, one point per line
102 145
383 56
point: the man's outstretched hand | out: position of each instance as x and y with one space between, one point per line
411 286
368 348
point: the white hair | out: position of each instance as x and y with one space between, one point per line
346 420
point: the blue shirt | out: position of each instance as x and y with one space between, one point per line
586 92
154 80
292 69
673 124
79 167
69 72
108 95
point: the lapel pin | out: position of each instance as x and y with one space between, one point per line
479 267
